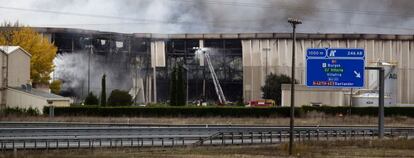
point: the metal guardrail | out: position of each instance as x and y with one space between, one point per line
66 138
8 124
306 135
220 138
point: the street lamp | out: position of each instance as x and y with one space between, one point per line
90 46
293 22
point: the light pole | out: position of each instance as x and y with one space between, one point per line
89 65
293 22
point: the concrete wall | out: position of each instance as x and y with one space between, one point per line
61 103
21 99
393 50
307 96
18 68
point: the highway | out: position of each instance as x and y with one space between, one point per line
44 135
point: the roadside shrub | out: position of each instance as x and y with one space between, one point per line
218 111
273 86
91 99
130 111
119 98
16 111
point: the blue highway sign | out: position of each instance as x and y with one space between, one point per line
335 67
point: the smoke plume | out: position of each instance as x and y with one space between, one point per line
73 69
224 16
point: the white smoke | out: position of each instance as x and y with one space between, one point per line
205 16
73 68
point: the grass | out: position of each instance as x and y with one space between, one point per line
311 119
323 149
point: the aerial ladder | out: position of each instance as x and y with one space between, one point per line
217 87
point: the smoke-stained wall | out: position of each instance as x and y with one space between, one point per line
84 57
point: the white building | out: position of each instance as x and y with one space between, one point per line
15 88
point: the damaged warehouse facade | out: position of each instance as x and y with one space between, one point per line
141 63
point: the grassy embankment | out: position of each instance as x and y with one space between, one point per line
314 119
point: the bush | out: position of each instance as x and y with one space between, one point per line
273 87
233 111
91 99
55 86
129 111
16 111
119 98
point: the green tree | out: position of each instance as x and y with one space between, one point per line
103 91
177 88
119 98
273 87
91 99
181 97
173 87
42 50
55 86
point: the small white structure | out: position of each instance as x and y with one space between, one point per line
369 97
15 88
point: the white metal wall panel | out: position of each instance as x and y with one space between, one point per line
399 52
158 54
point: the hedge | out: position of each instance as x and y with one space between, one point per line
16 111
172 111
361 111
131 111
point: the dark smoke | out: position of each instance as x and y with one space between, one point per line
224 16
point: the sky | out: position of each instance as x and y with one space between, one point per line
215 16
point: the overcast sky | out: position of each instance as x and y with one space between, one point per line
220 16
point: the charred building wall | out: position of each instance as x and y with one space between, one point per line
126 60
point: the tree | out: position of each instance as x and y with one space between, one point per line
91 99
177 88
42 50
181 97
273 87
103 91
173 87
55 86
119 98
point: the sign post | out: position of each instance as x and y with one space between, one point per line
342 68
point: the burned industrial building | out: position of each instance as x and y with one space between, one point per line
141 63
126 59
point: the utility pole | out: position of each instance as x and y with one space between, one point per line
293 22
89 67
